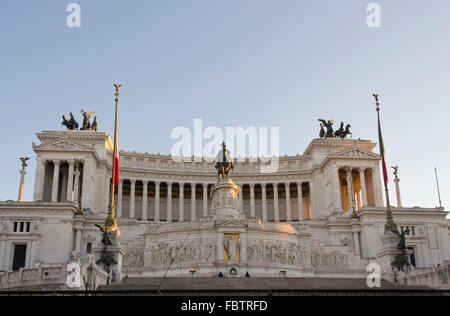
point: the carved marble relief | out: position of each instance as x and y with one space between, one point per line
161 254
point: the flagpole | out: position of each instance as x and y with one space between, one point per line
390 225
437 184
110 223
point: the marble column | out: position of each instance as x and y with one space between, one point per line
205 199
288 202
181 206
120 198
157 200
252 200
23 172
76 186
362 182
378 187
169 202
313 200
300 201
397 191
337 188
55 180
78 240
63 188
264 202
70 180
132 197
144 200
275 202
241 197
193 204
350 191
39 180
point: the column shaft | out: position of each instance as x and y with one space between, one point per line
132 197
78 240
252 200
144 200
76 186
169 202
362 181
157 196
205 200
181 206
288 202
397 191
350 191
120 198
55 181
39 180
300 200
275 202
193 204
264 202
22 181
70 181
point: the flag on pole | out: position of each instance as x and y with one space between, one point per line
382 153
116 161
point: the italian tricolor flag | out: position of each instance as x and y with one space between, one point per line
383 155
116 161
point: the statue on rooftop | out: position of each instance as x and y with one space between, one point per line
224 164
71 124
330 133
86 117
329 126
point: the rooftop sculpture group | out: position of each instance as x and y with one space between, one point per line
327 131
72 125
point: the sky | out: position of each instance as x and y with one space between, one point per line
249 63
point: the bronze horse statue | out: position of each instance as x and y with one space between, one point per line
72 124
224 165
341 132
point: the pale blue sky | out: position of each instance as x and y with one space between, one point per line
257 62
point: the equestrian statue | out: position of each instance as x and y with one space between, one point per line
224 164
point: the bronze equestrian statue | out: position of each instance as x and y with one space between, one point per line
224 165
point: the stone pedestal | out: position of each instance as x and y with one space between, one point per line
225 201
387 254
117 252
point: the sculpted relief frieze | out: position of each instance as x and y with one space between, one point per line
323 259
161 254
133 255
166 163
269 252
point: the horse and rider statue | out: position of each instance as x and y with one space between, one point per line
327 131
224 163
